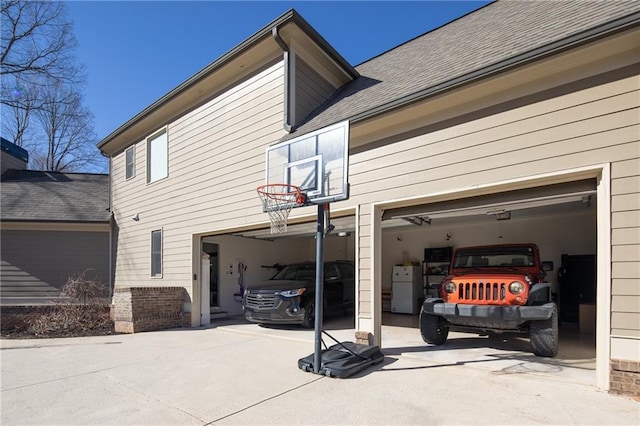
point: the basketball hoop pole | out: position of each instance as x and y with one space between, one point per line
319 288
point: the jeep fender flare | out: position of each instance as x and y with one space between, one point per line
535 293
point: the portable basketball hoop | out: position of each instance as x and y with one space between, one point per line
277 200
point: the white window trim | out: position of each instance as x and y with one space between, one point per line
149 139
126 164
159 276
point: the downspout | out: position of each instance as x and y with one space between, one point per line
111 224
288 74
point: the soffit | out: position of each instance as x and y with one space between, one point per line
308 49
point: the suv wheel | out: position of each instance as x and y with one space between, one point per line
309 320
433 329
544 335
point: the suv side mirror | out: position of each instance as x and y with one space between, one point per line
547 265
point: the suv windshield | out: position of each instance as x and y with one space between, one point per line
305 271
494 256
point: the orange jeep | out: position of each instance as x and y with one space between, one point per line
498 289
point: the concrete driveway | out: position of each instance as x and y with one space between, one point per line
235 373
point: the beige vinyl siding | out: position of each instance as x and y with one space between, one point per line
216 161
311 90
625 250
589 127
36 260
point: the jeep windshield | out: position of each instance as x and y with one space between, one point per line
489 257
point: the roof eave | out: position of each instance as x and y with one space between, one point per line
266 32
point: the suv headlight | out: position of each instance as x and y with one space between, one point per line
292 293
516 287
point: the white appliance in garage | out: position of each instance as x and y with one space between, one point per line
406 289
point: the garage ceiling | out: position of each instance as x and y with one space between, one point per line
546 200
523 203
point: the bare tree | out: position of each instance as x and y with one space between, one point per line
41 103
37 46
16 119
68 128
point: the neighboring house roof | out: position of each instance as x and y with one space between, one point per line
14 150
489 39
35 196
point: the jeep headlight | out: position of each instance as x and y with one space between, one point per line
449 287
516 287
292 293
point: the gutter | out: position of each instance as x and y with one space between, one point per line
609 28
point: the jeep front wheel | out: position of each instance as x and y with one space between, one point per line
544 335
432 329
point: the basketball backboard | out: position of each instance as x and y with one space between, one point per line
317 162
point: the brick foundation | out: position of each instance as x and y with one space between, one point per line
364 338
625 378
137 309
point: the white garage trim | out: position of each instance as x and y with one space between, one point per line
603 292
599 171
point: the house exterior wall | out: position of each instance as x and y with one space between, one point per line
37 263
8 161
216 157
593 125
310 87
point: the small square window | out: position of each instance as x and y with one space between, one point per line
156 253
130 160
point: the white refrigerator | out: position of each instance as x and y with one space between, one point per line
406 289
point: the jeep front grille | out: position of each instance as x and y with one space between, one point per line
482 292
262 299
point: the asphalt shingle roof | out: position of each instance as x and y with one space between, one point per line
28 195
489 35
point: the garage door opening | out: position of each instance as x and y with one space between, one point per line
242 260
560 219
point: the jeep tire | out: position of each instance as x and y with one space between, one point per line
544 335
432 329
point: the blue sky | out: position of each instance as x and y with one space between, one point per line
134 52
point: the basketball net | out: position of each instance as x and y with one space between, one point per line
278 200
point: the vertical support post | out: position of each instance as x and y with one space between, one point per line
319 288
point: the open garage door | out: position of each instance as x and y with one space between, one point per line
241 259
559 218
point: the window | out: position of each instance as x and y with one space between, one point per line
130 160
157 157
156 253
